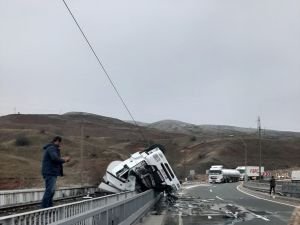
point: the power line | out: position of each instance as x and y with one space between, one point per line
106 73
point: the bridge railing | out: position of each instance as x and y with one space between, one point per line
21 196
123 208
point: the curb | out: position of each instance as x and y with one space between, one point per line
261 194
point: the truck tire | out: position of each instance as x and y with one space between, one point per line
161 147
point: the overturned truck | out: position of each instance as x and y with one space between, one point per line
144 170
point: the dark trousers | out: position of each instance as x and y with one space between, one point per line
272 188
50 182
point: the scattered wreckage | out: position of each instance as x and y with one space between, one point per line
193 209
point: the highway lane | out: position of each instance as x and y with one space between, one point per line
223 204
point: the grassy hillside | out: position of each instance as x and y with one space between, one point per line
106 139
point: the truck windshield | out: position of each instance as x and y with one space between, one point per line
123 173
241 171
215 172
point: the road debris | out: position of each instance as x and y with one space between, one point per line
190 209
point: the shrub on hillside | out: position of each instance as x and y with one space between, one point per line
193 138
22 141
59 133
93 155
42 131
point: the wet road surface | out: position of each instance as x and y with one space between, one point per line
223 204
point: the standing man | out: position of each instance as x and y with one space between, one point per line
52 167
272 186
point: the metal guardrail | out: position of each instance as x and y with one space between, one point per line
14 197
291 190
123 209
285 188
265 187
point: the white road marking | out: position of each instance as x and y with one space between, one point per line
196 185
179 218
282 203
260 217
210 190
219 198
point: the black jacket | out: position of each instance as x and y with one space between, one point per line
52 162
272 182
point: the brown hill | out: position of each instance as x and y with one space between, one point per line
104 140
107 139
227 145
213 131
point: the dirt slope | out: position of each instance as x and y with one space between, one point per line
107 139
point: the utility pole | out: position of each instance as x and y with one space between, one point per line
184 165
259 139
245 147
81 153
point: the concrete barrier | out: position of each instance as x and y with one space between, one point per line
295 220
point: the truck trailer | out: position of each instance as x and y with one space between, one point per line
217 174
295 176
250 172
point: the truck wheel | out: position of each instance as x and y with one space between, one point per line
161 147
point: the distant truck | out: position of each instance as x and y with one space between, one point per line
217 174
296 176
251 172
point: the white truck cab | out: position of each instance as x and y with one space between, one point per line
215 174
142 171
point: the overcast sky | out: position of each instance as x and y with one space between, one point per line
203 62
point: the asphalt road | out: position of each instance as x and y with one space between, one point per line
220 204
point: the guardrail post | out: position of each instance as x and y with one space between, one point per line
116 210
